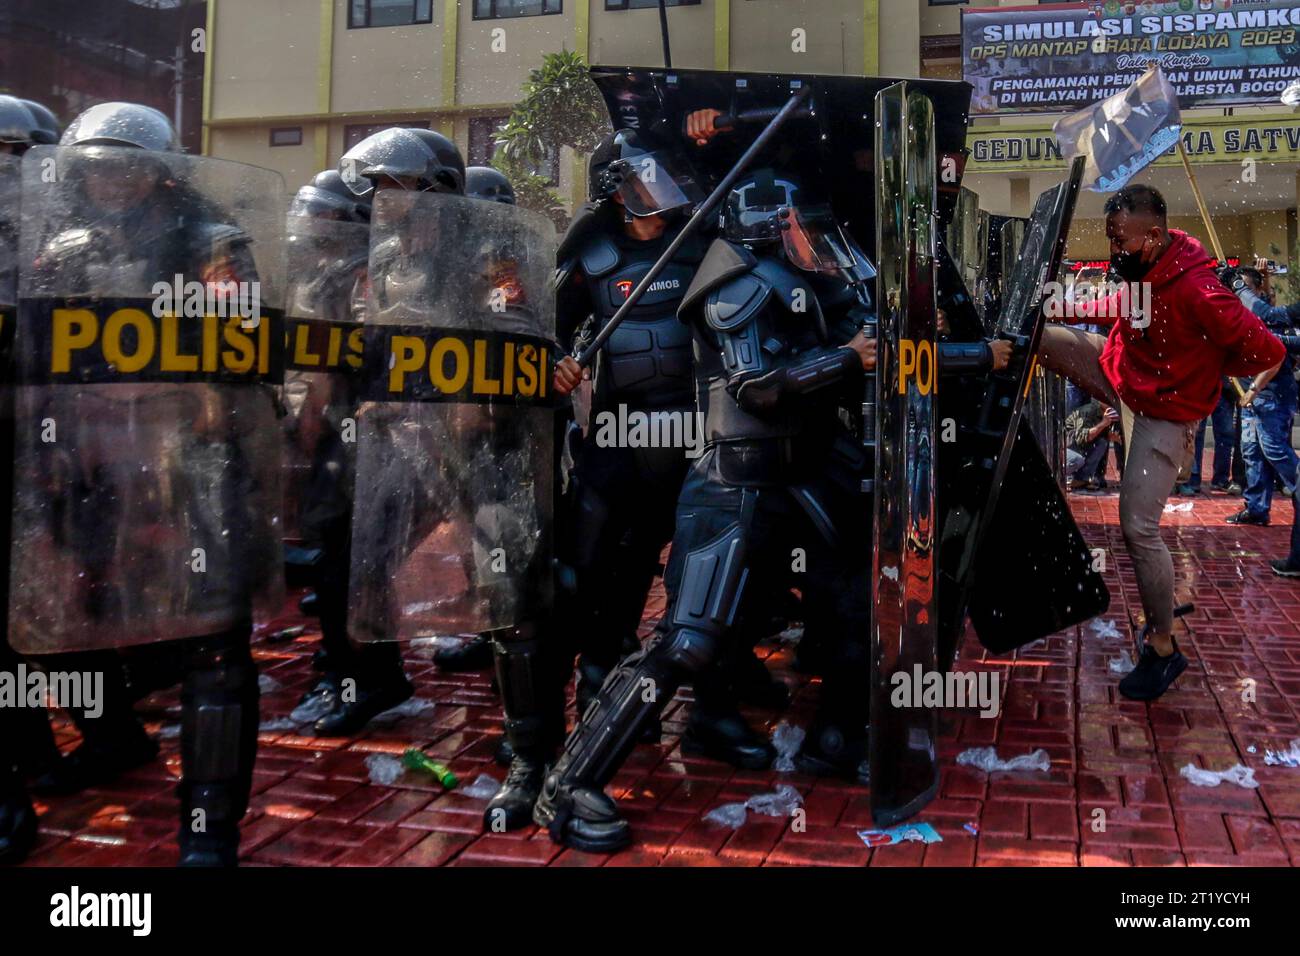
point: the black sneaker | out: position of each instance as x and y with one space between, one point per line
1153 675
1246 516
1285 568
1188 490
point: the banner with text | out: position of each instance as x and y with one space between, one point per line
1063 56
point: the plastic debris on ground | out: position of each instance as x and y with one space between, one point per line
786 738
169 731
1251 749
1241 776
384 769
728 815
413 707
781 802
312 709
267 684
903 833
987 759
971 828
1284 758
278 723
1105 629
791 634
1120 665
484 787
1184 507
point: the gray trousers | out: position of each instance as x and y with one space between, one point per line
1155 451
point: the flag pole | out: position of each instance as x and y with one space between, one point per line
1200 202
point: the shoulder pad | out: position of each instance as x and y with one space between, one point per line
598 255
735 303
723 262
785 282
587 218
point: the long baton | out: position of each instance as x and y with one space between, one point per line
693 225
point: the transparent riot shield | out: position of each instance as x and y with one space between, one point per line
148 346
904 772
324 302
10 200
451 528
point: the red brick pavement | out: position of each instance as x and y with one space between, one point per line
314 803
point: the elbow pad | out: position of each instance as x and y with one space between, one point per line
763 393
964 358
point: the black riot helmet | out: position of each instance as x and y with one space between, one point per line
17 124
427 160
484 182
122 124
767 208
47 124
328 197
650 179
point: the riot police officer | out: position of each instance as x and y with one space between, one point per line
484 182
395 158
327 237
779 313
151 516
620 504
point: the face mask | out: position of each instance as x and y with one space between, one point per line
1129 265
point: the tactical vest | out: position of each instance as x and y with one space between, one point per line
646 364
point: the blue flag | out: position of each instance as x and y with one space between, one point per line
1123 134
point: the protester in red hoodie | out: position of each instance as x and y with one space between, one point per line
1163 370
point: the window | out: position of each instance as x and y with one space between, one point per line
389 13
355 134
499 9
639 4
286 136
482 129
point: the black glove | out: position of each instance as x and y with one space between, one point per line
762 393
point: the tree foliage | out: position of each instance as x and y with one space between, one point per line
560 106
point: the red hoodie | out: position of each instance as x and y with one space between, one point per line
1173 369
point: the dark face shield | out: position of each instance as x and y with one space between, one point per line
813 242
654 183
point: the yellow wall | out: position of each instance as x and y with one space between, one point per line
762 35
632 38
270 70
900 38
487 76
296 164
388 67
1088 236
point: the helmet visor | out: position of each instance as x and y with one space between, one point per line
813 241
656 182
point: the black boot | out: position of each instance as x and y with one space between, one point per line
591 676
379 684
113 741
573 806
532 695
729 738
218 747
474 655
831 750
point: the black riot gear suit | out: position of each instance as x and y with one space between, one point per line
781 474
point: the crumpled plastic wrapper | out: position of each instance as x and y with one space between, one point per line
1284 758
384 769
484 787
277 724
169 731
730 815
787 739
1105 629
1184 507
1241 776
312 710
1120 665
267 684
781 802
987 759
414 707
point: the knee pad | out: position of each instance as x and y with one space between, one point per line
712 581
